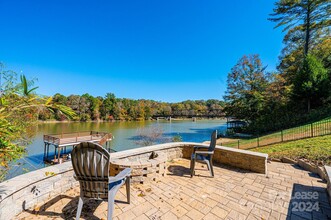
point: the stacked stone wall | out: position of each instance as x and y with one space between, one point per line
27 190
24 191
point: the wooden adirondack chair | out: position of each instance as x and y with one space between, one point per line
91 165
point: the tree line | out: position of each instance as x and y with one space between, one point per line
296 92
299 90
88 107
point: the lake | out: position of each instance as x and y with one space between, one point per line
126 135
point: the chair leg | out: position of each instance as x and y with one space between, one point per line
79 208
192 167
210 167
111 202
127 183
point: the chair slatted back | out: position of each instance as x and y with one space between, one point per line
213 139
91 165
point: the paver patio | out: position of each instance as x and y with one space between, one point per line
288 192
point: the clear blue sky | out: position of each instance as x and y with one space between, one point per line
166 50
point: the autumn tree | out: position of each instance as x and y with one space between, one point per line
109 107
246 88
120 112
215 107
323 52
79 105
93 105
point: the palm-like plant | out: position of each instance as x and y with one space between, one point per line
19 108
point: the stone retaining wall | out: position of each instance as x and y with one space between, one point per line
27 190
24 191
248 160
328 179
252 161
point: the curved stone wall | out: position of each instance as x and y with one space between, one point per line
27 190
248 160
24 191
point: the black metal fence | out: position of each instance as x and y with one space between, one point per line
315 129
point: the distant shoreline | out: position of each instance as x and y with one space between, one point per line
172 119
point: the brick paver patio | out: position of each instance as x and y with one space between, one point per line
288 192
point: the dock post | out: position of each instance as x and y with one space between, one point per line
47 154
59 154
44 150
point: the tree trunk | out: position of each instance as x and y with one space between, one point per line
308 105
307 39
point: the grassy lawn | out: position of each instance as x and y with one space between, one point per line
317 128
317 149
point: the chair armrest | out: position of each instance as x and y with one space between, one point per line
122 175
205 152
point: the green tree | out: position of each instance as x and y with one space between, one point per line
303 20
323 52
312 82
108 106
93 105
246 87
60 99
19 109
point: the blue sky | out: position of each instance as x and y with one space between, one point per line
147 49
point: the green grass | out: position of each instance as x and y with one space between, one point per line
316 150
318 128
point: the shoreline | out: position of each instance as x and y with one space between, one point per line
173 119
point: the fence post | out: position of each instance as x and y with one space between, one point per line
281 134
238 144
312 130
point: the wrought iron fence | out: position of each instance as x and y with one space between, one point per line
315 129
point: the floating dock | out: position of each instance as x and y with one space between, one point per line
62 141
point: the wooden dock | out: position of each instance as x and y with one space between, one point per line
62 141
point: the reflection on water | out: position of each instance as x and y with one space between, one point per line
125 134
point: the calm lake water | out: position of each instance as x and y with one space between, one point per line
126 135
